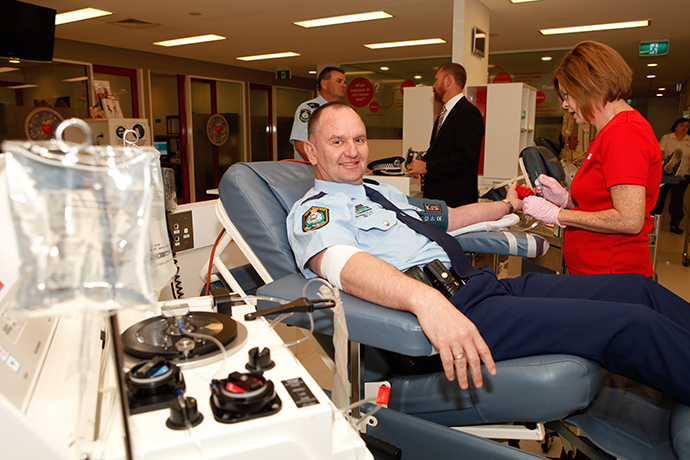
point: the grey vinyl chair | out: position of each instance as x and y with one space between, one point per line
424 406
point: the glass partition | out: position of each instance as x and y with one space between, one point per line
35 97
375 90
287 101
217 120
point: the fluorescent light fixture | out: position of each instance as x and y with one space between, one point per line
659 95
259 57
385 68
21 86
595 27
661 89
651 76
428 41
546 58
313 72
417 77
15 61
359 72
76 79
652 64
189 40
8 69
79 15
343 19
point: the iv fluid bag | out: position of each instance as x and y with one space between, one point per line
81 220
162 265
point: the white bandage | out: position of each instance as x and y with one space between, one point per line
333 261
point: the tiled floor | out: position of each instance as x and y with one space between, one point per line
671 274
672 248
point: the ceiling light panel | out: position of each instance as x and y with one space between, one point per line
79 15
259 57
343 19
595 27
189 40
428 41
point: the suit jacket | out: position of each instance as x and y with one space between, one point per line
452 160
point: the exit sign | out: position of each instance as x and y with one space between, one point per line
283 74
654 48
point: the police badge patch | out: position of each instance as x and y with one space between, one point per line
314 218
304 115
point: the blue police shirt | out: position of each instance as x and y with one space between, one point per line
333 213
301 121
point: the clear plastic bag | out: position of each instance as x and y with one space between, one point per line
162 264
81 216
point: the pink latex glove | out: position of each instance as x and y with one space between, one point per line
541 209
551 189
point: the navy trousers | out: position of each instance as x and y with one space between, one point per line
629 324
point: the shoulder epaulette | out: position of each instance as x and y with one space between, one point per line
315 197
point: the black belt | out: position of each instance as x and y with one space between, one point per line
436 275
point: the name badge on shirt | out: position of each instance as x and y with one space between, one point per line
432 207
314 218
362 210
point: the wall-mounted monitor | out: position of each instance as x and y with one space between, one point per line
26 31
478 41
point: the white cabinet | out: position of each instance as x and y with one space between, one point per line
508 110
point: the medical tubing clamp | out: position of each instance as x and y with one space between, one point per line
301 305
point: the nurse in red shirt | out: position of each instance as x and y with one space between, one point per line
607 216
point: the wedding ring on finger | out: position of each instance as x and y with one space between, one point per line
459 357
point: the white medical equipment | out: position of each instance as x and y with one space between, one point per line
59 393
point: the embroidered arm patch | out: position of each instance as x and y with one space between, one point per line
304 115
314 218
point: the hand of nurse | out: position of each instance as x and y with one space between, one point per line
541 209
551 189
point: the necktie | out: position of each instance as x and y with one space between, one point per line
439 120
449 244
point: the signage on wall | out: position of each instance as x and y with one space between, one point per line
283 74
656 48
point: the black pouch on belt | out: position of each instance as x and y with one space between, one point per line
442 278
417 273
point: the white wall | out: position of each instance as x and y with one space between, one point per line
661 113
466 15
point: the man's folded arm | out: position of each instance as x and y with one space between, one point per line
450 332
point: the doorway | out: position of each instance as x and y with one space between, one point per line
217 133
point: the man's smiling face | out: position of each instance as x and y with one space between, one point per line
338 148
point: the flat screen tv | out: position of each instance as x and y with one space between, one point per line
26 31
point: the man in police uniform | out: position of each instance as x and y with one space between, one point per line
331 85
626 322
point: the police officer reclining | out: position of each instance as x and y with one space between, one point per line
339 230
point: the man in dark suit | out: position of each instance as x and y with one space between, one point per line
451 164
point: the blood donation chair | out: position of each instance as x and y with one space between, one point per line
426 412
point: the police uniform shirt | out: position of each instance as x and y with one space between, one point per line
301 121
333 213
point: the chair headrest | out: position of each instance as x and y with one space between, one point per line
257 198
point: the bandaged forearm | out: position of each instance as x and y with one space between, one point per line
333 261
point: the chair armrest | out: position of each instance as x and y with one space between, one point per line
506 243
367 323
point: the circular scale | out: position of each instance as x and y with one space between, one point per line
160 336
